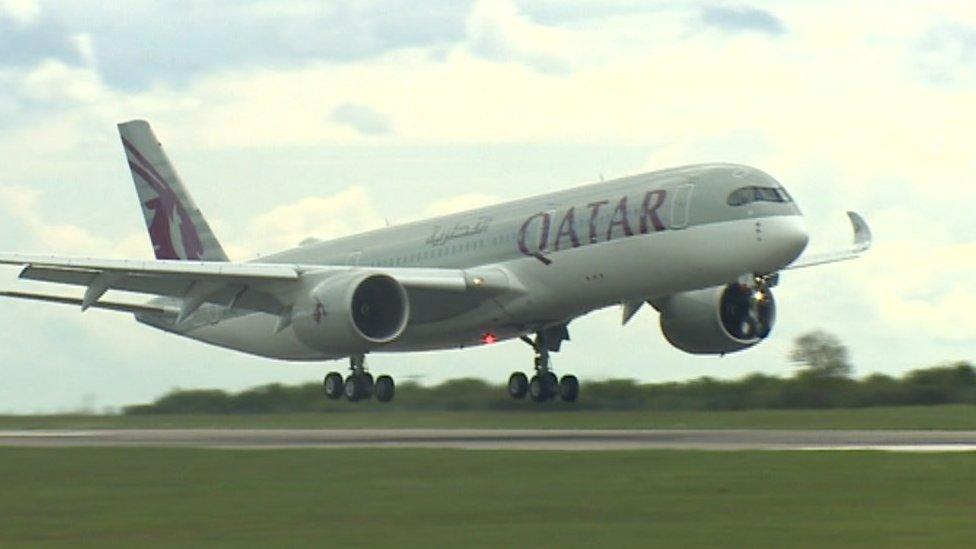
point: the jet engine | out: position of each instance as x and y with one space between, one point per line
717 320
348 314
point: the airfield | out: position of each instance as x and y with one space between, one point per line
897 477
501 439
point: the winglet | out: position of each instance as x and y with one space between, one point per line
862 242
862 233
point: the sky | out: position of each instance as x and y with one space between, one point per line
293 119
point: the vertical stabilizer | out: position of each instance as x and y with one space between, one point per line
176 226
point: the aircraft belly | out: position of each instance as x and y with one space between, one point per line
253 334
432 306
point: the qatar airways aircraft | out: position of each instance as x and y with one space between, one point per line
702 244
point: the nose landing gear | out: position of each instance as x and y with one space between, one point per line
544 385
359 384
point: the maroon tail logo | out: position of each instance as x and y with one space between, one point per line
166 207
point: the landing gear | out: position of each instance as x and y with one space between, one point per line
544 385
518 385
354 389
385 388
359 384
568 388
333 385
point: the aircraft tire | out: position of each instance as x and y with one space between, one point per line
384 389
569 388
353 388
537 391
518 385
368 385
333 385
550 384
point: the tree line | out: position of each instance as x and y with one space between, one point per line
823 379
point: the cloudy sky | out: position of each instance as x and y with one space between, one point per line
293 118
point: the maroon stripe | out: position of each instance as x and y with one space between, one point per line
146 163
148 178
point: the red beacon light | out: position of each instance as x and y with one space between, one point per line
489 338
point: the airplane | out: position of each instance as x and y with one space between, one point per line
702 244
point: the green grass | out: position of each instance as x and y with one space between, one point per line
441 498
903 417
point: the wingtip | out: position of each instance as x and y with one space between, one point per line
862 232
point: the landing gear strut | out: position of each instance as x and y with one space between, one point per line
544 385
359 384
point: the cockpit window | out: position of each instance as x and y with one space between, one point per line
745 195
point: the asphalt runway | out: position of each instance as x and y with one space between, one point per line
499 439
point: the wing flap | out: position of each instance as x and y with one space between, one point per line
156 285
179 269
107 305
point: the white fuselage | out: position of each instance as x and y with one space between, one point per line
569 253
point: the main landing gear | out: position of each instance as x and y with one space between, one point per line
544 385
359 384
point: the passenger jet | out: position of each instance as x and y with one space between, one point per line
701 244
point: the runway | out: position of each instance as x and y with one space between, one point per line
499 439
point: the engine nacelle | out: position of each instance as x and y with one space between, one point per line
718 320
348 314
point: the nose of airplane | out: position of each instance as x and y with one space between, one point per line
791 237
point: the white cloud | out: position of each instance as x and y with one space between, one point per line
20 206
22 11
460 203
86 48
55 83
362 119
837 111
497 31
348 212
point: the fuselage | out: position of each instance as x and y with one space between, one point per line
571 252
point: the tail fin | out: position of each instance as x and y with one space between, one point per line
176 226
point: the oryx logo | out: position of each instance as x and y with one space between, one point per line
171 229
319 312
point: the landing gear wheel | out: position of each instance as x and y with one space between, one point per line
384 389
537 391
333 385
550 384
368 385
568 388
518 385
353 388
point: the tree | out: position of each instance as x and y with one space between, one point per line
820 355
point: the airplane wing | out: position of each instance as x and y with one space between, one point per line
862 241
265 287
107 305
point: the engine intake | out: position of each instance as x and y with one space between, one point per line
353 314
718 320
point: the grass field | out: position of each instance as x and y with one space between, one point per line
904 417
439 498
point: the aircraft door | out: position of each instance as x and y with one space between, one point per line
681 205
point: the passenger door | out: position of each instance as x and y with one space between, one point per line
681 205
